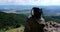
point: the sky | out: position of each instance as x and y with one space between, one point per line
31 2
38 3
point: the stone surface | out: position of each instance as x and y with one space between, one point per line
52 27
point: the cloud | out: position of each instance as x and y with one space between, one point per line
30 2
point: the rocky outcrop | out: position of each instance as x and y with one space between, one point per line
52 27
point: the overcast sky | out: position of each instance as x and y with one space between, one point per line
30 2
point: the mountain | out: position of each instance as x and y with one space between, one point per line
26 9
46 12
51 12
13 20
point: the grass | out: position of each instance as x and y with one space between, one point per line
20 29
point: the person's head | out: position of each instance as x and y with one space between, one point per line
36 11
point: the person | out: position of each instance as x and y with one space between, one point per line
34 23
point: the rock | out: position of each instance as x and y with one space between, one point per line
52 27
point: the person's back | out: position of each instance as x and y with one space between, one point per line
32 24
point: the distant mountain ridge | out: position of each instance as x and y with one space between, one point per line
47 10
26 7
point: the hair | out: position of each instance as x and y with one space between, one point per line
37 12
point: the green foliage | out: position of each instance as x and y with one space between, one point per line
53 18
11 20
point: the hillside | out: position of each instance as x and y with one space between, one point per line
11 20
52 18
